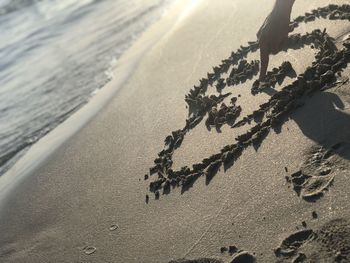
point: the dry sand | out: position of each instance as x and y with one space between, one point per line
284 199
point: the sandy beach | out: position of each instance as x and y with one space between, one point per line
268 182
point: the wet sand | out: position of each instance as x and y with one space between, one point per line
257 172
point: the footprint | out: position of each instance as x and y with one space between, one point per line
318 171
291 244
329 243
315 186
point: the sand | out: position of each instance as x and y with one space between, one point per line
281 195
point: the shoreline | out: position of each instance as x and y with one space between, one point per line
92 69
125 67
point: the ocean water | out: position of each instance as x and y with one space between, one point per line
54 56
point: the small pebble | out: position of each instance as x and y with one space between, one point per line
113 227
304 224
314 215
147 199
88 250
